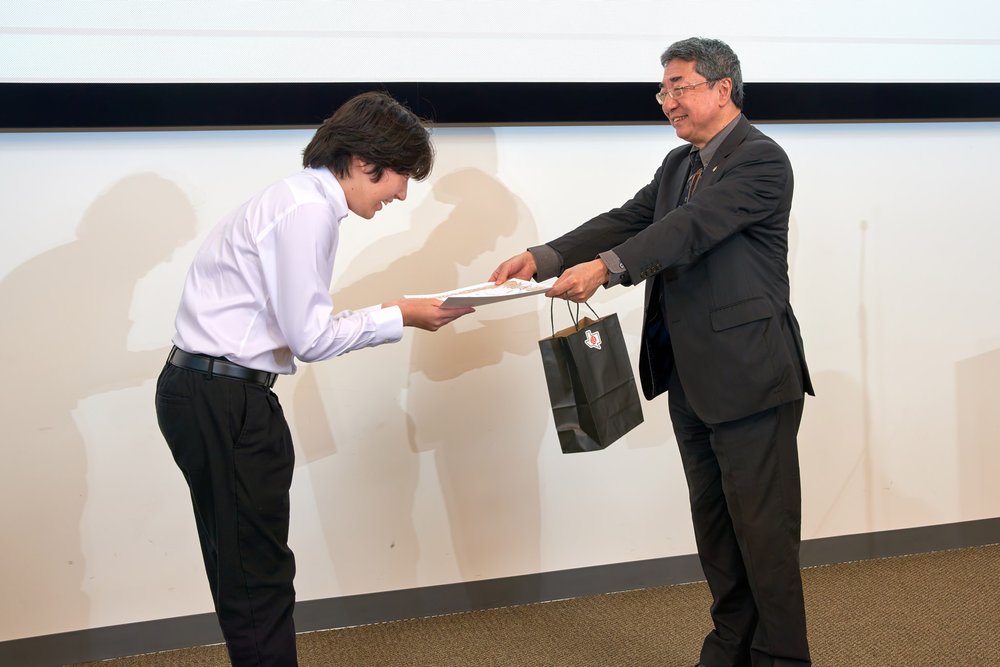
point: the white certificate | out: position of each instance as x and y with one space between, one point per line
484 293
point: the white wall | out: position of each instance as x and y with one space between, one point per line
434 460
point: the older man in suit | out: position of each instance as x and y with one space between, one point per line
709 237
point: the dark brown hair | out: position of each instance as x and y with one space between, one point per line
377 129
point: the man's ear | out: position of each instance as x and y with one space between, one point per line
725 87
362 166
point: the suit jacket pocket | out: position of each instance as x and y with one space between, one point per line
741 312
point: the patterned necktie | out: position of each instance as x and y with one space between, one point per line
696 169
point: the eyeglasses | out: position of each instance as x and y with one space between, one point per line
675 93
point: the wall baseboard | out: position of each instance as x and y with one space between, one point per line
311 615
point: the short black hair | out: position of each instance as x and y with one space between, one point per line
377 129
713 59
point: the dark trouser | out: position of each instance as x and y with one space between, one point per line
746 505
232 443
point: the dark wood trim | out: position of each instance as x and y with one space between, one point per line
172 633
73 106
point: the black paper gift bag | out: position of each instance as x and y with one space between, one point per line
591 386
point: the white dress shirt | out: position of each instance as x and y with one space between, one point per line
258 291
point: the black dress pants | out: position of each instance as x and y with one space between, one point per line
231 442
746 507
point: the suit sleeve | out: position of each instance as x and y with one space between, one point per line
608 230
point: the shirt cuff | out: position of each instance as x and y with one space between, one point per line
548 262
617 273
388 324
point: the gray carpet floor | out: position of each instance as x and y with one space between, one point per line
927 610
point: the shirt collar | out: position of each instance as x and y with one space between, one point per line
708 152
332 190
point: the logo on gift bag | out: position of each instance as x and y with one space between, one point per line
593 339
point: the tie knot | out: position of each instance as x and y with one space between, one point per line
695 157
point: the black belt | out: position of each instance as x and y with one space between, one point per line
219 366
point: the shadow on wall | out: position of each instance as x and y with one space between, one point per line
834 446
845 484
64 339
836 424
978 433
446 397
467 398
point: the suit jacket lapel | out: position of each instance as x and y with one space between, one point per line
735 138
676 181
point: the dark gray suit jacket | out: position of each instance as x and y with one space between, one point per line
719 266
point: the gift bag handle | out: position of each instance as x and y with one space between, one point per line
576 316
